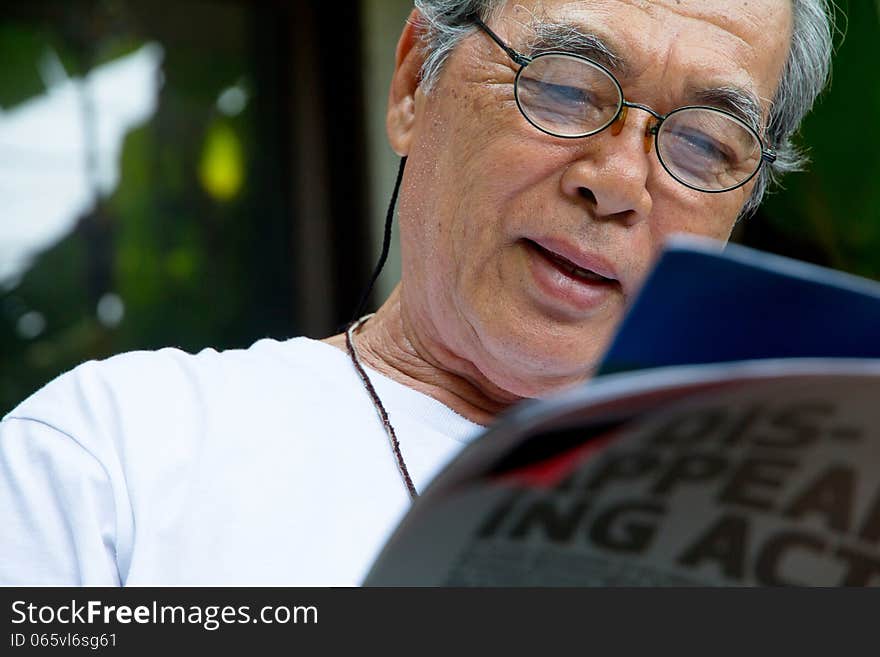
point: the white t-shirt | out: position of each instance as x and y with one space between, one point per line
266 466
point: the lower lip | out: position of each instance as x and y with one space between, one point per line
556 283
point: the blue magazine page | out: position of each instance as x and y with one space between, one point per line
705 304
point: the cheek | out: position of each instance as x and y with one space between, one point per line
469 165
680 210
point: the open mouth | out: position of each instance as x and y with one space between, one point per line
569 268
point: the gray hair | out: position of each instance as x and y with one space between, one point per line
807 70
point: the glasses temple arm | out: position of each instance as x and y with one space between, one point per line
522 60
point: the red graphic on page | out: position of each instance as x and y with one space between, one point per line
549 472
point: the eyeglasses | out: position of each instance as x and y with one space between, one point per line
570 96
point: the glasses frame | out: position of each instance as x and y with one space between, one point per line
767 155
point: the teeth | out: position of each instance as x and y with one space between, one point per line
574 270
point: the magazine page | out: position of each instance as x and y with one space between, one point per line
763 473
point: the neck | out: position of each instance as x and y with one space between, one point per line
391 343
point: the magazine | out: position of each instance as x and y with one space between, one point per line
732 437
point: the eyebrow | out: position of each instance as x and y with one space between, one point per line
573 38
738 101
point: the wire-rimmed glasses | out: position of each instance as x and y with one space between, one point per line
566 95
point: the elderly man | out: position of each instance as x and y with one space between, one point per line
551 145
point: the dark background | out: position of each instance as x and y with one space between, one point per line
228 226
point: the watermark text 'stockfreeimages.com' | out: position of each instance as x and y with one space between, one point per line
210 617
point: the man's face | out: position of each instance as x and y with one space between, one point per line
490 206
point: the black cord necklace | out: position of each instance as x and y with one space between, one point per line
380 408
356 324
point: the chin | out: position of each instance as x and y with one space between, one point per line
527 385
538 363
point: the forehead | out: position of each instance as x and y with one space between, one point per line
690 43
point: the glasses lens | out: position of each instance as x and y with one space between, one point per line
708 149
567 96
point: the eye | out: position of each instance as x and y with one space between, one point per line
551 93
701 145
566 94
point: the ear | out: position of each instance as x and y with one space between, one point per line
400 118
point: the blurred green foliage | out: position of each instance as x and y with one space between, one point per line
183 260
836 202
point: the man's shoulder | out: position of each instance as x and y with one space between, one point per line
174 386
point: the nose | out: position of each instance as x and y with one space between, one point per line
611 172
